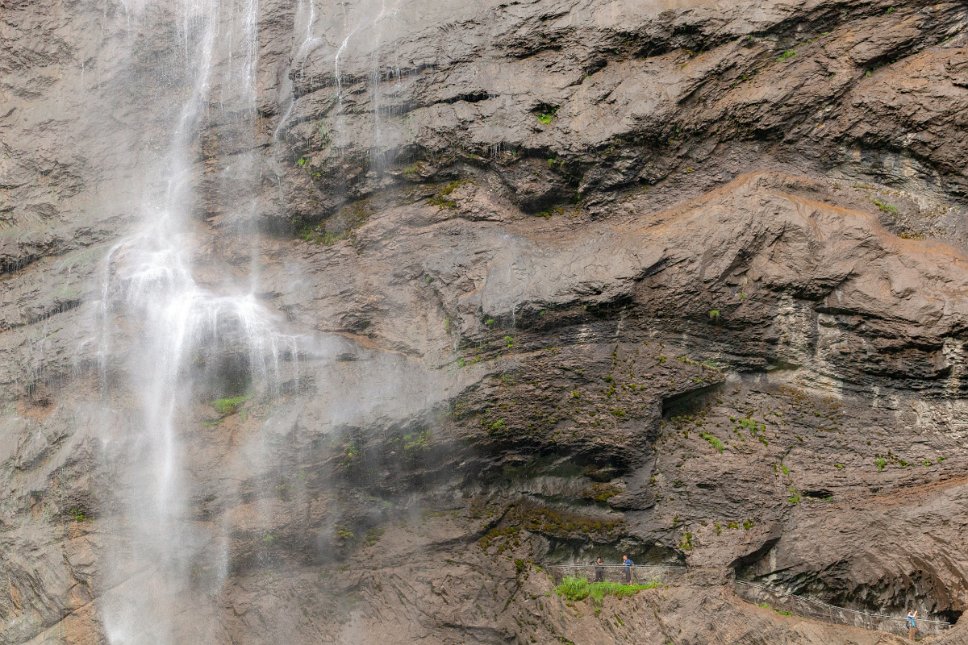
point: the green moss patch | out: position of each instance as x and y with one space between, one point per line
229 405
602 492
553 522
442 199
546 114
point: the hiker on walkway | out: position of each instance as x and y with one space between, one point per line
599 570
628 564
912 623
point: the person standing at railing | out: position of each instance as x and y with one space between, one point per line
912 624
599 570
628 564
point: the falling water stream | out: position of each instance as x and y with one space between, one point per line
186 337
182 325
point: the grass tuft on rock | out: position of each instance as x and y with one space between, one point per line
884 207
576 589
713 441
441 198
313 235
229 405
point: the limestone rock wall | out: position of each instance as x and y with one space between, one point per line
674 278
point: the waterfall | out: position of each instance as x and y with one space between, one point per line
186 347
190 340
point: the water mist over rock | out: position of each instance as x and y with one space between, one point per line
182 340
335 321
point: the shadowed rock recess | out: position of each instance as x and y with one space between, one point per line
553 279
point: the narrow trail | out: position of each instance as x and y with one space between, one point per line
780 601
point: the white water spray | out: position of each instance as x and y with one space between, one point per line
187 339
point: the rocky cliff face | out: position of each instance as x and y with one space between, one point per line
683 279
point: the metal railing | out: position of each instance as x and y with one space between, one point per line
819 610
616 572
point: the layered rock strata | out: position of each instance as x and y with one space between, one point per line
682 280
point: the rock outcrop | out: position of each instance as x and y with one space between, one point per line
564 279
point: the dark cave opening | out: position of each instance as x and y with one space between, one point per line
690 402
950 615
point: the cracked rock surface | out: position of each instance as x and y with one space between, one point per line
685 280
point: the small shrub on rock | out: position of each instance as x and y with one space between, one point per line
576 589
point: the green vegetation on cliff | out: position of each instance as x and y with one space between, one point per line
576 589
229 405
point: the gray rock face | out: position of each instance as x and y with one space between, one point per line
563 279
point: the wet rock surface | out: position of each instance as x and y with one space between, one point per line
685 281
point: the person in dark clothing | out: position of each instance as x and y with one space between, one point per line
628 564
599 570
